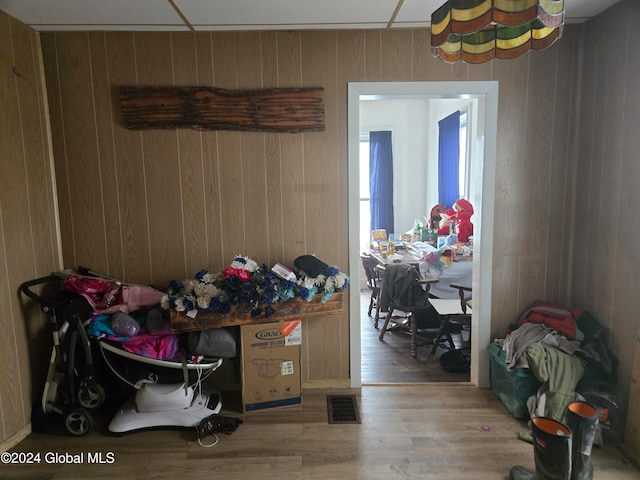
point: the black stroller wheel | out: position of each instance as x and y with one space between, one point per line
91 395
78 421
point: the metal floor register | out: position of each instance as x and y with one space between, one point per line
342 409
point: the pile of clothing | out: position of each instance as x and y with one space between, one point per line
556 343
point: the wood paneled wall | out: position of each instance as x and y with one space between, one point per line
154 205
151 206
607 260
29 240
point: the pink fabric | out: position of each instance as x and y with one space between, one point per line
161 347
137 297
93 289
132 298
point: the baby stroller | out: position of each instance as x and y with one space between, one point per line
70 389
145 356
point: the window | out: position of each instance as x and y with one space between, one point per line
365 195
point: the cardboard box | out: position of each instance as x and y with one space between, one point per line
271 374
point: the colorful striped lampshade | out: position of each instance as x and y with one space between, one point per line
476 31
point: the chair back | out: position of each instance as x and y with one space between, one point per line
463 297
369 265
402 286
379 235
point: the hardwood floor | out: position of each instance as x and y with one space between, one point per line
389 361
410 431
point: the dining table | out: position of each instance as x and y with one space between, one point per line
459 271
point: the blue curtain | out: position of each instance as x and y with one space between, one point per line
381 180
448 158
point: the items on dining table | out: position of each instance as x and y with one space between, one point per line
421 232
448 251
385 248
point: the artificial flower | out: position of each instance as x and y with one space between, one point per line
247 285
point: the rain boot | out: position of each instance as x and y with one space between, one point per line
582 419
551 452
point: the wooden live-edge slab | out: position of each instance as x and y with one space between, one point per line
294 308
207 108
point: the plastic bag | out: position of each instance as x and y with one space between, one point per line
609 412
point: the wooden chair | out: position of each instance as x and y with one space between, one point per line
452 312
373 283
379 235
406 298
380 269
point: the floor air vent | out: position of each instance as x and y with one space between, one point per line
342 409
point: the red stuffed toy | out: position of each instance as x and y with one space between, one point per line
464 227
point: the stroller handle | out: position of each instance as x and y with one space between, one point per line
26 289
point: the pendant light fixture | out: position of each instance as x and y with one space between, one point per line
476 31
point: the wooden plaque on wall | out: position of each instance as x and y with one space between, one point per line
287 110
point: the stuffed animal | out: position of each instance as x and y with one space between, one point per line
435 216
463 212
446 222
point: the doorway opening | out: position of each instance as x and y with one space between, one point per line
406 179
482 175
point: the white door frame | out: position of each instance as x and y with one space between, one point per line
482 196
